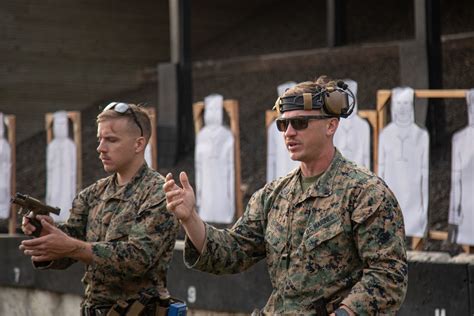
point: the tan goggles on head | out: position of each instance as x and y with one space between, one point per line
298 122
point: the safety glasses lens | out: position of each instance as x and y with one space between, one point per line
109 106
297 123
282 124
119 107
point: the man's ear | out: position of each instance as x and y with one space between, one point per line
140 144
332 126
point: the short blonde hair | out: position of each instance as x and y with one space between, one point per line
140 113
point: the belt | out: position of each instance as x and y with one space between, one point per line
102 310
322 307
95 310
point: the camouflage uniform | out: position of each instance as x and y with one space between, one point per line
343 237
132 236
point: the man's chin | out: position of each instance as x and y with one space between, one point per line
294 156
109 169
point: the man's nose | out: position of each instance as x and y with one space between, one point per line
101 147
290 131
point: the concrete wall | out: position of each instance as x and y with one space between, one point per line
69 55
26 291
33 302
58 55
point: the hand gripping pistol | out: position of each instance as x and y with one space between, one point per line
30 207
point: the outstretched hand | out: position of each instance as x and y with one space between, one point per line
180 200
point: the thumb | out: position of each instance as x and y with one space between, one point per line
47 226
183 178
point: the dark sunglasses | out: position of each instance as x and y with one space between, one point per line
122 108
298 122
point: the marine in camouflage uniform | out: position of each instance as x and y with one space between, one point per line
333 246
119 226
343 237
132 236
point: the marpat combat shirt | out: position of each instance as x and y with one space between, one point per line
343 237
132 235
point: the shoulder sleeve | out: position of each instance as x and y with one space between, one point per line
380 240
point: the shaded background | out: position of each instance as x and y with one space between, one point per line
81 55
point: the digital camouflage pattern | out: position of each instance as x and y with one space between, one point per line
343 237
132 236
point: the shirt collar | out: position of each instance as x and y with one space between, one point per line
321 188
112 190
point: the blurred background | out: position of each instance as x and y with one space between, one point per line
80 55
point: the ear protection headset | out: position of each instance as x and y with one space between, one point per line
332 100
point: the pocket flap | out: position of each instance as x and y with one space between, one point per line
322 230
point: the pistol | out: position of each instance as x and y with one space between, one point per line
30 207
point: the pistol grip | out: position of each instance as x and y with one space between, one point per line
37 224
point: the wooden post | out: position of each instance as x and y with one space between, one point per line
372 117
10 121
232 109
154 152
270 116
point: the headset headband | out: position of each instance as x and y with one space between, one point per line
305 101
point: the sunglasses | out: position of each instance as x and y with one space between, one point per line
122 108
298 122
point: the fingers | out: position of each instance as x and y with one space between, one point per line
29 243
43 257
183 178
26 227
47 218
24 221
32 249
33 252
170 195
47 225
169 185
171 206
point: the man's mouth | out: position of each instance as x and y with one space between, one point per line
292 145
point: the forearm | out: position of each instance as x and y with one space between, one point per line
195 230
81 251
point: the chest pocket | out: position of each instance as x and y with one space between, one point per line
322 230
120 225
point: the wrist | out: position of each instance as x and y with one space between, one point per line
80 250
192 219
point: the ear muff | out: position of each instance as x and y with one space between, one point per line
336 103
336 100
